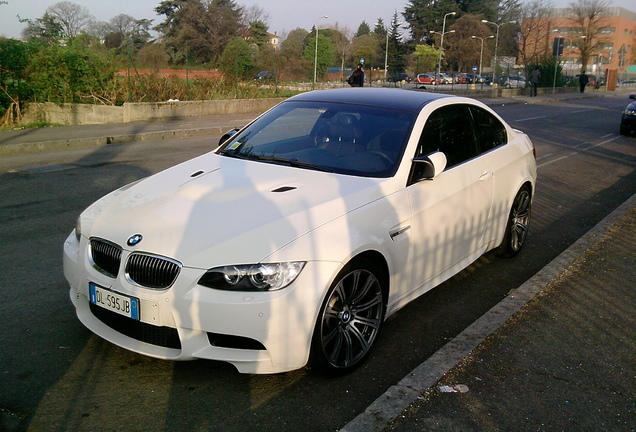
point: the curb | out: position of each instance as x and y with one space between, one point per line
385 409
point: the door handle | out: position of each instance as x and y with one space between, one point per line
485 176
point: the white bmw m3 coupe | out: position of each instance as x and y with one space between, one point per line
292 242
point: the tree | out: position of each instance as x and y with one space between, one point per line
426 15
589 16
45 30
534 35
71 16
325 53
367 47
397 49
258 33
237 60
425 57
363 29
462 50
198 30
14 57
509 11
291 51
69 74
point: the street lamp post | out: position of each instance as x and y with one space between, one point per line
441 45
316 52
481 53
439 64
494 73
386 48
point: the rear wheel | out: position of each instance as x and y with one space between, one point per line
517 224
349 321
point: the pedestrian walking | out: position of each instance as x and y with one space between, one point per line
534 81
583 80
358 77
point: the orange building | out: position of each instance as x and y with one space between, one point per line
614 46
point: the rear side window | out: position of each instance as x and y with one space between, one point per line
489 131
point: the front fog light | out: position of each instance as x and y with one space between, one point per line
256 277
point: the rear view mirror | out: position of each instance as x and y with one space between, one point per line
428 167
227 135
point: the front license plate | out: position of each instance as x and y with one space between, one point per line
121 304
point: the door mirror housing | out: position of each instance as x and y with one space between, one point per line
227 135
428 167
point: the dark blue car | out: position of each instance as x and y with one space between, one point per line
628 121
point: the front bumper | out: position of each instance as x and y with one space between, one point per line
257 332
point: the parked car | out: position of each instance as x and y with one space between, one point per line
295 239
446 78
426 79
265 75
512 81
399 78
628 120
468 78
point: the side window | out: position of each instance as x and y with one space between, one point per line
449 129
489 131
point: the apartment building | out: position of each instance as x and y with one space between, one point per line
614 45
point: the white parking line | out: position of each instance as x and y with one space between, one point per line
578 146
528 119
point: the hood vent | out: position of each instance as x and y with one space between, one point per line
284 189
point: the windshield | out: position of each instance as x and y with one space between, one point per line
341 138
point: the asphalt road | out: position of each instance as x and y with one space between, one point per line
57 375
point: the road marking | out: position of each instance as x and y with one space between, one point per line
578 146
528 119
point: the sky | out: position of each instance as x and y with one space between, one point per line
284 15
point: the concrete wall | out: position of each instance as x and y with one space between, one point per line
78 114
145 111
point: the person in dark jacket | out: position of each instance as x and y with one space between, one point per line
583 81
534 81
357 78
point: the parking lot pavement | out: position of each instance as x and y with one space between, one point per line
558 353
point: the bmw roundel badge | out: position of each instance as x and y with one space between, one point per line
135 240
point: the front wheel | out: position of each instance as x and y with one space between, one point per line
349 321
517 224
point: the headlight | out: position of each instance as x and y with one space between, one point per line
257 277
630 112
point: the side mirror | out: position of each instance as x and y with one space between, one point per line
632 96
227 135
428 167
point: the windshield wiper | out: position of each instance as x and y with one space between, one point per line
293 162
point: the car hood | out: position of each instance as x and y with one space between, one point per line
215 210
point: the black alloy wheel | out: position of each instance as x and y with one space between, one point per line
349 321
517 225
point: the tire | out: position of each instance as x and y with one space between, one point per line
349 321
624 130
517 224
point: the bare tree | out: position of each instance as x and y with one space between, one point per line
590 16
534 37
254 13
71 16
